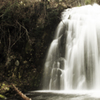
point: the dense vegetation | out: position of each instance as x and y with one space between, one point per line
26 31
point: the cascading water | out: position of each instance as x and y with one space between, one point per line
73 59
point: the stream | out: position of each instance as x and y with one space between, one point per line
70 95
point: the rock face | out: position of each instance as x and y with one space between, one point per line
24 41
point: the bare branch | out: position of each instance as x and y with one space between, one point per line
20 33
25 29
20 93
1 15
15 41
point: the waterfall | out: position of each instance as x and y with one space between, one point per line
73 59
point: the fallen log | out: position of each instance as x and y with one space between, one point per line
24 97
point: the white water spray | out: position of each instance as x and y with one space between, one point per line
73 59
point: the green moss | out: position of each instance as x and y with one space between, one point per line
2 96
89 1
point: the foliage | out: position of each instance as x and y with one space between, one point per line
89 2
26 31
